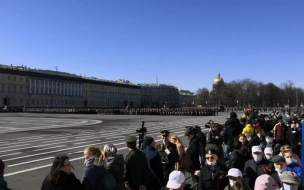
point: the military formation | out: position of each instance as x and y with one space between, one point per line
133 111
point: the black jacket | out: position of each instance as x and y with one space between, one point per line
235 126
154 159
65 182
213 179
237 160
194 151
256 140
253 169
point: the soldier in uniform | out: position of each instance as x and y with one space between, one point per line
168 153
213 174
136 176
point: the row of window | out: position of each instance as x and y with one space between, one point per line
66 102
37 86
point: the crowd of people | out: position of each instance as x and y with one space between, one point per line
255 152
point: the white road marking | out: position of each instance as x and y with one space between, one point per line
153 129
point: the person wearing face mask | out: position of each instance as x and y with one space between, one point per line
212 175
256 166
291 164
236 181
279 164
270 142
290 181
287 148
268 152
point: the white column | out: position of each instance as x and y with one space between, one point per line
43 86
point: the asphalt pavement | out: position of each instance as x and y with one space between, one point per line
29 142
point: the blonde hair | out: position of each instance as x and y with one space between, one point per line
97 152
178 141
285 148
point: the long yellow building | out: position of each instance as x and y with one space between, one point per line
23 86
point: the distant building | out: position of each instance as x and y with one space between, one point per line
23 86
218 83
187 98
159 96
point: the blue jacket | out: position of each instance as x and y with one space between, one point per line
155 161
92 173
296 169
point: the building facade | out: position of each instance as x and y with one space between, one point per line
159 96
22 86
187 98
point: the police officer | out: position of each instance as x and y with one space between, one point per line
136 176
168 153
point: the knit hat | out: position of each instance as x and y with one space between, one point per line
148 141
265 182
290 177
2 166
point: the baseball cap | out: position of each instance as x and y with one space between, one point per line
176 179
268 150
234 172
256 149
265 182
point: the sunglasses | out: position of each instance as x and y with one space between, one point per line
210 158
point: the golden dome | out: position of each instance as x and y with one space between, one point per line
218 79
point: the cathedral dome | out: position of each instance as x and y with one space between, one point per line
218 80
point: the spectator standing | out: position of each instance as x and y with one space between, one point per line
154 163
114 164
136 175
256 166
180 149
290 180
168 153
61 176
212 175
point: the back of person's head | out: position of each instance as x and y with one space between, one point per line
237 145
265 182
233 115
109 150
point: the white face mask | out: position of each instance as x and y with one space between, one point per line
290 160
280 170
232 183
269 140
268 156
211 163
288 187
257 158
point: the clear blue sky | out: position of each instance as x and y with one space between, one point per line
185 43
